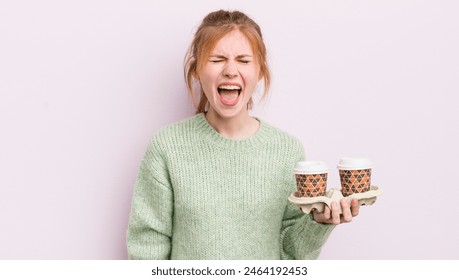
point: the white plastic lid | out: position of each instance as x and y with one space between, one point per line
354 163
311 167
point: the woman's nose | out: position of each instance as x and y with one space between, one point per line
230 70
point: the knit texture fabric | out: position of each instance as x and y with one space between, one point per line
200 195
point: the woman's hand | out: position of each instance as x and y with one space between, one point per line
332 216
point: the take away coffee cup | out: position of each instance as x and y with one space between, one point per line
311 178
355 175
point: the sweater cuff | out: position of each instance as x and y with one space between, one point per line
306 238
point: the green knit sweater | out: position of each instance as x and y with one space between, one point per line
200 195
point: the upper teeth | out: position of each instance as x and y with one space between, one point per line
230 87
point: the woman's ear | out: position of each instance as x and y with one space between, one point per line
195 75
193 70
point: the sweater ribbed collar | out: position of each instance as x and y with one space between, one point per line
211 135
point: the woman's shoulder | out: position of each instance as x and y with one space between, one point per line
176 130
283 142
167 138
178 126
281 135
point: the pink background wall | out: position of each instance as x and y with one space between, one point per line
84 84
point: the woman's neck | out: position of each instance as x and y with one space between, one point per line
238 127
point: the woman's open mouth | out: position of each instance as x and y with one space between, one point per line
229 94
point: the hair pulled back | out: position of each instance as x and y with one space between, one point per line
214 27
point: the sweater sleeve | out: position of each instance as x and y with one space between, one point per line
150 223
301 236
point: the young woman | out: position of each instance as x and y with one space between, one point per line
215 186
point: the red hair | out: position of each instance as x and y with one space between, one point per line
214 27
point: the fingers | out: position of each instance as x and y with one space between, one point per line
332 215
347 215
355 207
336 220
323 217
327 213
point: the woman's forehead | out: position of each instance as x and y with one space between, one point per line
234 43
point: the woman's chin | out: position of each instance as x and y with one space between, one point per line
226 112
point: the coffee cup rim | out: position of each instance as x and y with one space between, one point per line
354 164
315 167
310 172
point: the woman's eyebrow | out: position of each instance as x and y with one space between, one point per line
222 56
217 56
